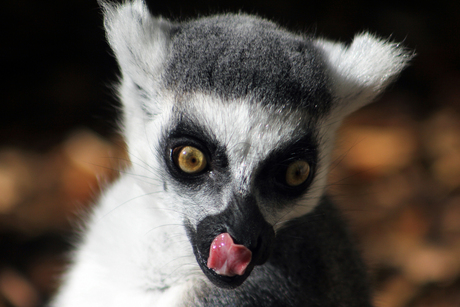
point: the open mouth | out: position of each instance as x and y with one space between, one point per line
228 264
228 245
225 264
227 258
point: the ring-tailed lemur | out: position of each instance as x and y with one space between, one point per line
229 122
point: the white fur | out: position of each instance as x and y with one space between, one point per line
137 38
362 70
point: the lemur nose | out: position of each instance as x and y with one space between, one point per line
263 245
248 227
252 241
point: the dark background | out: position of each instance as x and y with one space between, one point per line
396 177
56 64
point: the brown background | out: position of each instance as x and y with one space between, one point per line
396 172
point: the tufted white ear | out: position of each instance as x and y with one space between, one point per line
140 41
361 71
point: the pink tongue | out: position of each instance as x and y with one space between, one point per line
227 258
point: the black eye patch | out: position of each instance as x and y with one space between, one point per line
186 133
273 178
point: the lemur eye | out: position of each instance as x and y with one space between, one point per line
189 159
297 173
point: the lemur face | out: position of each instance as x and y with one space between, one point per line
236 118
238 170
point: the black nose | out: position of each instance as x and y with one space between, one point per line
245 223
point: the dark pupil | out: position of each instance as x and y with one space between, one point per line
298 172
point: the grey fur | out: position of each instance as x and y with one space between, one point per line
313 264
237 56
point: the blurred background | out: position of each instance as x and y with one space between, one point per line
396 170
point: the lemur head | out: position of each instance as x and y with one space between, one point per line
233 118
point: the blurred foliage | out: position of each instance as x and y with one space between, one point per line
396 170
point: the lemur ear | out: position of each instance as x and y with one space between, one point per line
361 71
140 41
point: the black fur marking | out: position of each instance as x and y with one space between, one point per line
246 225
238 55
186 132
270 179
313 264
